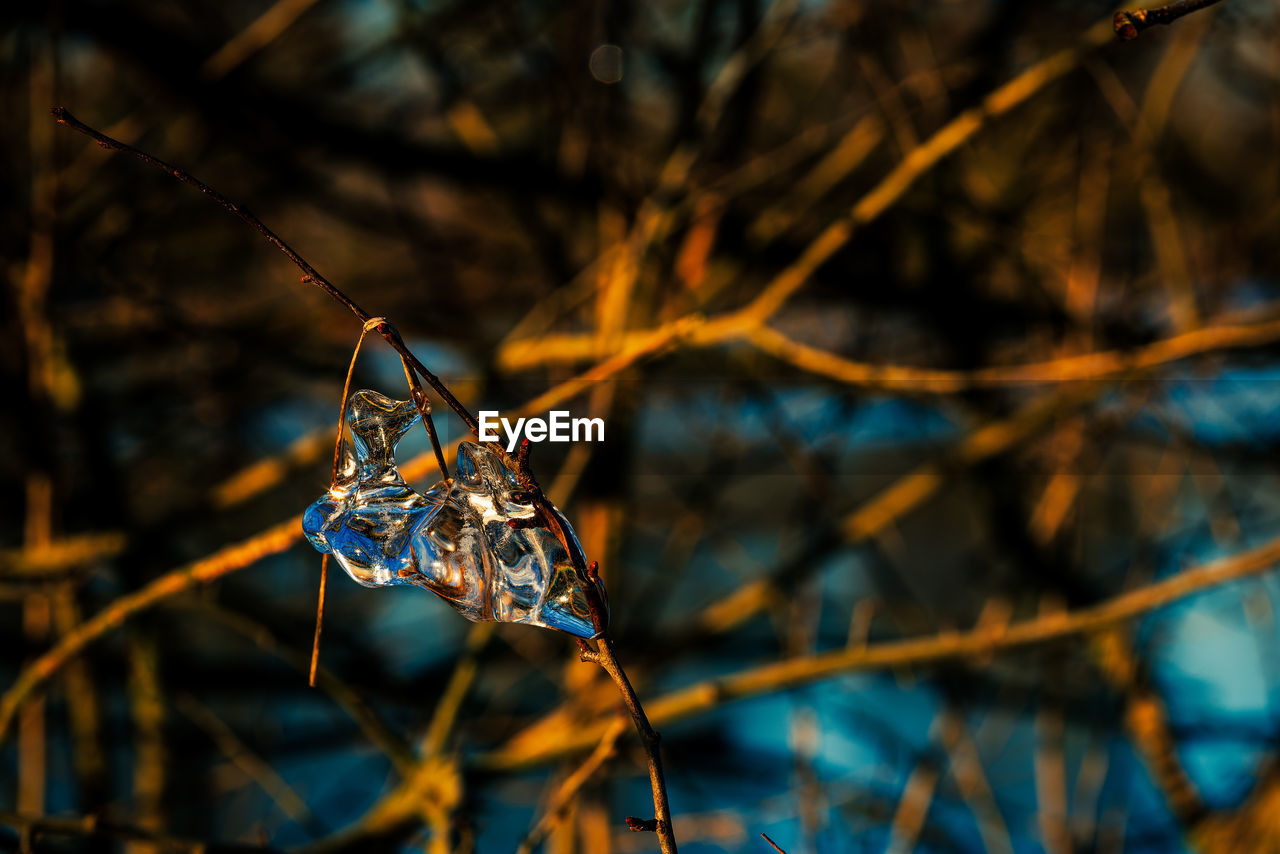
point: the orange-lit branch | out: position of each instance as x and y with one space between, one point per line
975 645
221 563
890 189
1107 364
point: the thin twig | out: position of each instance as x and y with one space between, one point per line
84 706
1147 722
430 793
1050 775
333 479
223 562
249 763
568 789
424 411
455 691
1128 25
649 741
347 697
267 472
965 767
53 560
150 751
913 808
253 38
774 844
310 275
1088 366
524 475
315 640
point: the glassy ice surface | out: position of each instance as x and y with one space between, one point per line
455 539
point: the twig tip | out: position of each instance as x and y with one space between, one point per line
1126 27
766 838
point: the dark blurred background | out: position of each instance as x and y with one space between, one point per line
529 191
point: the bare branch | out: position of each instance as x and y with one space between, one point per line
568 789
977 644
221 563
1129 25
766 838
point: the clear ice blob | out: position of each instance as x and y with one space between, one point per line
528 576
475 541
369 516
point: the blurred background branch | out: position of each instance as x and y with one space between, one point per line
937 350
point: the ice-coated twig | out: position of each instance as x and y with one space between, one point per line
605 653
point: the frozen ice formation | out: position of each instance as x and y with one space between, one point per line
454 539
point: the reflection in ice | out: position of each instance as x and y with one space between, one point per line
454 539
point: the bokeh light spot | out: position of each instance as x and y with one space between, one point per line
606 63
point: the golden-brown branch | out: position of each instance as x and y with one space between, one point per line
221 563
974 645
